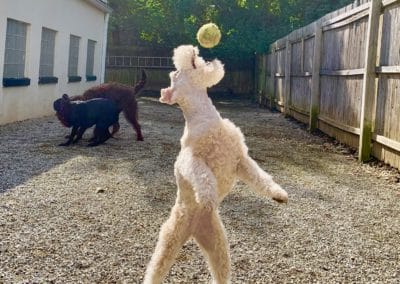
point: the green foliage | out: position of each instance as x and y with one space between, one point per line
247 26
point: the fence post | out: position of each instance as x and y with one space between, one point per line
369 83
288 58
264 78
315 79
256 75
272 79
261 76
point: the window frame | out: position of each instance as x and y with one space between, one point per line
90 57
47 56
15 53
73 59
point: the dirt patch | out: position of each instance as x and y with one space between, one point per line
92 215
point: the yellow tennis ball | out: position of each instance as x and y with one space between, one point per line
209 35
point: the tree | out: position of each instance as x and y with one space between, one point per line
247 26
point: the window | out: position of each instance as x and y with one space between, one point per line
14 57
90 61
73 59
46 68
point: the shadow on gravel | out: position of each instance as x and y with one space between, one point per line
30 148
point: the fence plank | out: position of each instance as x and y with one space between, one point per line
369 85
272 94
389 2
387 142
346 22
388 69
349 72
315 80
339 125
348 14
287 76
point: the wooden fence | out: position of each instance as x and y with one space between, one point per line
127 70
341 74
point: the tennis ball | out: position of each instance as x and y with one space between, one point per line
208 35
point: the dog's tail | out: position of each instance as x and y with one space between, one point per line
139 85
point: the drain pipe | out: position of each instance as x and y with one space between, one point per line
104 49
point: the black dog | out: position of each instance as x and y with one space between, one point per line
80 115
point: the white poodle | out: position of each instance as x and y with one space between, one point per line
213 155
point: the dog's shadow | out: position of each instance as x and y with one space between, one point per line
30 148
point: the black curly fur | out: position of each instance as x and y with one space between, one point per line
80 115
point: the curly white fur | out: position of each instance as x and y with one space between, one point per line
201 73
213 156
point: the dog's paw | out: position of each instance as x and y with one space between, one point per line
280 200
280 195
64 144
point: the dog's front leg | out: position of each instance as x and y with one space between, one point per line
201 178
80 132
71 137
260 181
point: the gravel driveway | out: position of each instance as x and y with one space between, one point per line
92 215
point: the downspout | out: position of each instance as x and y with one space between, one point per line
104 51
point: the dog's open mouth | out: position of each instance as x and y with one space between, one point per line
166 95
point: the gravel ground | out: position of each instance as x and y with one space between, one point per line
92 215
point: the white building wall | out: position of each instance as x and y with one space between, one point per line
76 17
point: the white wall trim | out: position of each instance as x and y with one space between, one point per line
104 50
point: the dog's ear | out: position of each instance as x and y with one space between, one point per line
185 57
65 97
213 72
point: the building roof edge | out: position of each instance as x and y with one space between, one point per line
101 5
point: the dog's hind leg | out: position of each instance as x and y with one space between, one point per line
104 135
100 136
259 181
115 128
211 237
107 135
130 113
173 235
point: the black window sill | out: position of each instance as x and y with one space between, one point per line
48 80
91 78
16 82
73 79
